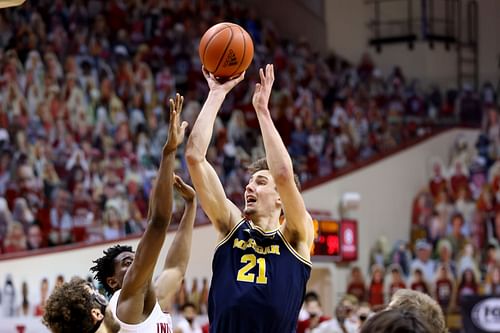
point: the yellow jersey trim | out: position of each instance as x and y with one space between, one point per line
293 251
262 231
225 239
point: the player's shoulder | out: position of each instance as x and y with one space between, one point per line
235 226
226 225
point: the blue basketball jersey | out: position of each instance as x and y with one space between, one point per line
258 282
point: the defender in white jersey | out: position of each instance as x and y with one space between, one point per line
157 322
137 303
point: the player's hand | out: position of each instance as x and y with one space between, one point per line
217 86
187 192
260 99
176 129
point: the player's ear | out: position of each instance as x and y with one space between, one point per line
112 282
279 203
96 315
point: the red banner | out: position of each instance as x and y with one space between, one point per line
349 240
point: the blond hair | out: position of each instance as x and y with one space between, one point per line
417 302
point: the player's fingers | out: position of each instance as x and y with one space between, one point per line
261 74
258 86
181 102
271 73
177 102
172 109
179 182
241 77
205 72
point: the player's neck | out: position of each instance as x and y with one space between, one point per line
266 223
103 329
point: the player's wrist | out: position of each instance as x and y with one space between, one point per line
190 201
169 150
217 93
262 109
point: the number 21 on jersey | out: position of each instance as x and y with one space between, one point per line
251 261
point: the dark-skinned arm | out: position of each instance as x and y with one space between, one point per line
170 279
137 297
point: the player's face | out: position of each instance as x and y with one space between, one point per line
107 323
122 264
261 196
189 313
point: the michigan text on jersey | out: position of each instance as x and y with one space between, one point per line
251 243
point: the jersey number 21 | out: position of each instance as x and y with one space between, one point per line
251 261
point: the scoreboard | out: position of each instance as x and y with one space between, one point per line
335 240
326 238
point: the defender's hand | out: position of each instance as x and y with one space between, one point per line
176 129
187 192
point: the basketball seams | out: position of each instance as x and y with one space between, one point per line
244 50
225 49
207 44
226 53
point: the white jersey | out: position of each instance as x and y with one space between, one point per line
157 322
184 326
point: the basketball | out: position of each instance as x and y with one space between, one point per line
226 50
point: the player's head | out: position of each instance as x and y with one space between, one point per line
110 269
261 194
313 307
418 276
311 296
189 311
395 321
417 302
77 307
346 307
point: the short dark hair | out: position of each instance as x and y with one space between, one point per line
105 265
395 321
311 296
188 305
457 215
68 308
261 164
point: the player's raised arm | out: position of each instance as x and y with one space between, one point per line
298 226
220 210
178 254
137 296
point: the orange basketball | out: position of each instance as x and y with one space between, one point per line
226 50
